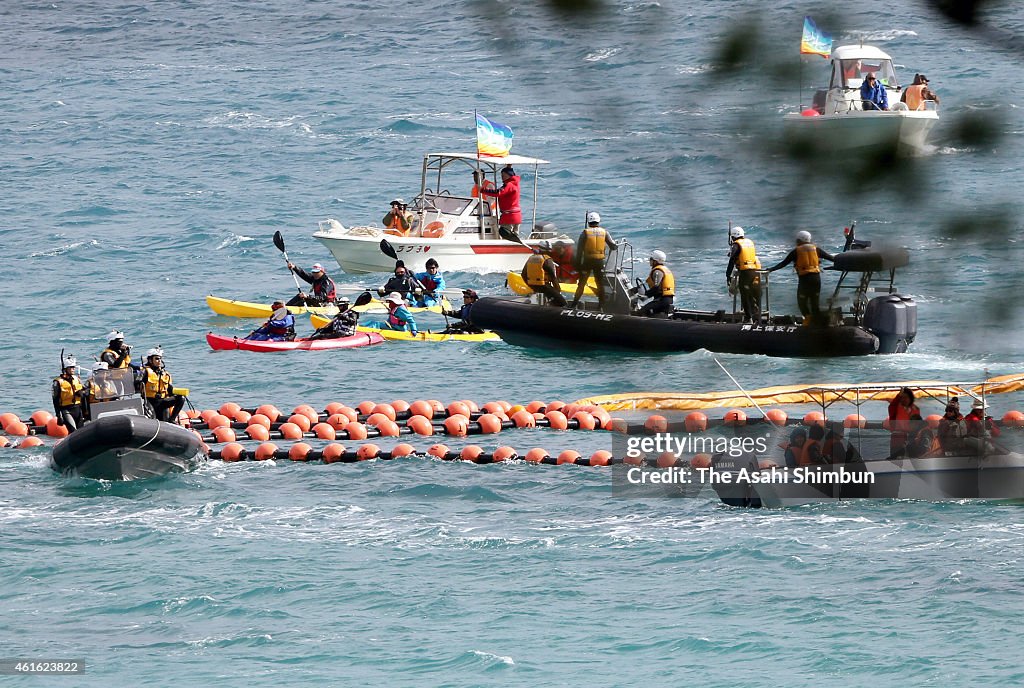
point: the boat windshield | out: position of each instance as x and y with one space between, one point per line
855 71
116 383
443 202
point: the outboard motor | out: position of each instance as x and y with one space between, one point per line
886 318
911 306
544 230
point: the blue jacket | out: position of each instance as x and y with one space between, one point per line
426 279
401 319
874 97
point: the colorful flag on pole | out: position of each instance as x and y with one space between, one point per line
815 41
492 138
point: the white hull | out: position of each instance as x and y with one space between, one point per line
864 129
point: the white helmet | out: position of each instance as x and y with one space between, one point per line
736 233
658 256
803 237
593 216
100 365
155 351
69 361
115 334
343 299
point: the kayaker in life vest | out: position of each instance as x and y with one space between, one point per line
541 274
661 287
806 258
398 220
591 249
508 200
117 354
399 318
402 282
465 324
563 252
279 328
159 389
431 283
743 257
69 395
324 291
343 324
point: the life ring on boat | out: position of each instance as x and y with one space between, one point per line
434 230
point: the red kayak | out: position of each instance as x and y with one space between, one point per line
219 342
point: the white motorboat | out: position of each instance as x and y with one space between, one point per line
451 225
839 120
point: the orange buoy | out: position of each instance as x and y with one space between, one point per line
1011 419
243 417
439 451
569 409
695 421
333 452
436 405
809 112
41 417
568 456
229 409
524 419
554 406
536 455
535 406
735 418
338 420
232 451
701 461
855 420
489 423
619 425
493 407
306 410
513 409
934 419
421 408
666 459
401 450
376 419
257 432
366 407
602 457
224 434
458 408
350 413
30 442
4 441
324 431
333 407
386 410
505 406
557 420
55 430
16 428
503 454
473 408
300 420
218 420
265 451
299 451
191 413
356 431
471 452
388 428
291 431
400 405
260 419
207 414
420 425
776 416
456 425
656 423
585 420
6 418
815 417
367 452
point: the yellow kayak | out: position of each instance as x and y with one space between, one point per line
519 286
245 309
421 336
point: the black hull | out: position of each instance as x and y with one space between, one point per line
127 447
523 323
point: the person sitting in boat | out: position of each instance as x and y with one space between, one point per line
923 439
591 248
69 395
661 287
280 327
795 447
324 291
117 354
810 452
743 257
101 387
928 94
399 318
159 389
343 324
872 94
402 282
952 428
541 274
563 253
432 284
806 258
508 201
398 220
902 410
980 429
465 324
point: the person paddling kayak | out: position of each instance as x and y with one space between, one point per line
399 318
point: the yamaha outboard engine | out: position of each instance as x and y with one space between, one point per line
886 317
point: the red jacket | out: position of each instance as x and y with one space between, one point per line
977 422
508 201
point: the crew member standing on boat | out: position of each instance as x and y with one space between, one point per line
590 257
661 287
158 388
69 395
541 274
873 95
398 220
431 285
806 258
324 291
743 257
117 354
508 200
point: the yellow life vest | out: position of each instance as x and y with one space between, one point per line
593 243
807 259
69 390
103 392
534 268
915 97
115 354
158 385
668 281
747 258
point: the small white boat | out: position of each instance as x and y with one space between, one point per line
839 120
452 226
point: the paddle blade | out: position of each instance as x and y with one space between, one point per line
511 236
364 298
387 249
279 241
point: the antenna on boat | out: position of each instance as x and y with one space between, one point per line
740 387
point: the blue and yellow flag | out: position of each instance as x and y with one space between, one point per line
492 138
815 41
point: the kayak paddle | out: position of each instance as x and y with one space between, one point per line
279 242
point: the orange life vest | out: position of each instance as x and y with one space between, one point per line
915 97
807 259
668 281
747 258
594 243
805 452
